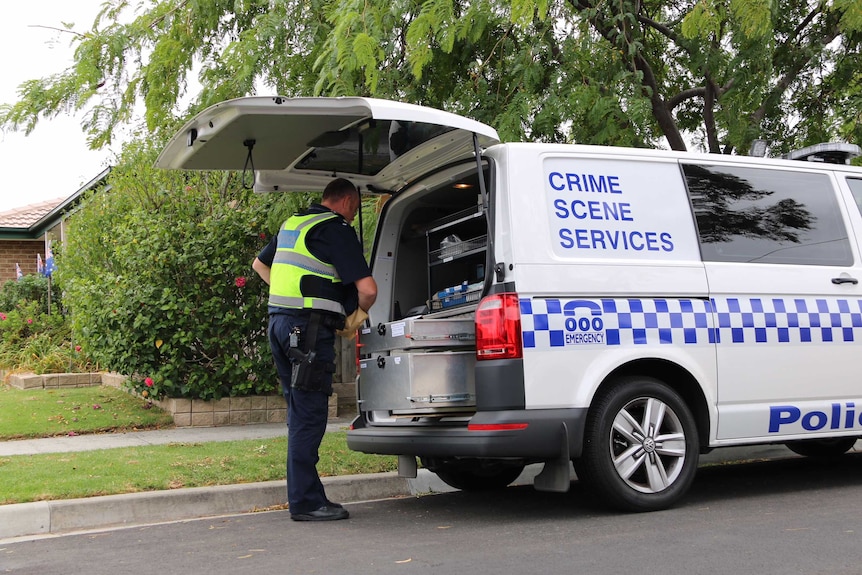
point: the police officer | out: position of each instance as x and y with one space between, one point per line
319 285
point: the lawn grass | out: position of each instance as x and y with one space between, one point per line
26 478
49 412
46 413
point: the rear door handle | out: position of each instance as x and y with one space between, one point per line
845 280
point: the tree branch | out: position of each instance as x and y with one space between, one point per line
685 95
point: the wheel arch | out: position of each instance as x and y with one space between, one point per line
677 378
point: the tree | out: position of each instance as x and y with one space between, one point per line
717 73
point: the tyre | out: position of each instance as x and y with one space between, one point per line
475 474
828 447
640 446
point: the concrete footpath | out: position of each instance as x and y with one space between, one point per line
41 518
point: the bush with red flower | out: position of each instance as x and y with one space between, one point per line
157 273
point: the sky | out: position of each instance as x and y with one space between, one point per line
54 160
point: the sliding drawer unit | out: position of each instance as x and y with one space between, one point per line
419 333
419 383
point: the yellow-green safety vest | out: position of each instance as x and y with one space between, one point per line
298 280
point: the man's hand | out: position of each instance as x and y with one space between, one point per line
352 323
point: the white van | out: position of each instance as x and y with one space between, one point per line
622 309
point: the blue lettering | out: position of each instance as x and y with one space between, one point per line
582 239
603 239
597 185
808 425
816 419
556 175
575 213
782 414
584 183
561 211
566 239
666 244
598 238
626 212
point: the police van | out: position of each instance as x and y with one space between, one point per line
622 310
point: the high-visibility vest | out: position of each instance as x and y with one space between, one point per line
298 280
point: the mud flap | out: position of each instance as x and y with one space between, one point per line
556 475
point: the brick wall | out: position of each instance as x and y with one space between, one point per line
22 252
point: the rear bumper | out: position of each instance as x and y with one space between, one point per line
548 433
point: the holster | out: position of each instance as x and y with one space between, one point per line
308 373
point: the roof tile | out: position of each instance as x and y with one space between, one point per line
26 216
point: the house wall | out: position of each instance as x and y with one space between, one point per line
22 252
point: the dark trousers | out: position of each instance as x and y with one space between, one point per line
307 412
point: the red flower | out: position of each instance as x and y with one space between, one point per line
261 235
2 317
240 282
77 348
29 320
148 382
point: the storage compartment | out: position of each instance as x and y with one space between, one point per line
418 383
417 358
419 333
432 246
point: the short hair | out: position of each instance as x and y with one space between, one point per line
338 189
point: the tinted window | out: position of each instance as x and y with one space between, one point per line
369 148
856 187
767 216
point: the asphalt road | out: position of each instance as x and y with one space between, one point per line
783 517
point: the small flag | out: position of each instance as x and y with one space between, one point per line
49 261
40 267
18 274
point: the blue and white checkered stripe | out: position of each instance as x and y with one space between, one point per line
798 320
552 323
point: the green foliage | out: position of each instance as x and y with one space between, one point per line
30 288
157 273
718 73
36 342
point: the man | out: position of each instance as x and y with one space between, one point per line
319 282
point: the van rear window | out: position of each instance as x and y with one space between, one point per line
767 216
856 189
367 149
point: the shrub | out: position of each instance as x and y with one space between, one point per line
157 277
38 342
29 288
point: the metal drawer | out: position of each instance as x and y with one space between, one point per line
419 333
415 382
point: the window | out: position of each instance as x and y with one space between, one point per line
367 149
856 188
768 216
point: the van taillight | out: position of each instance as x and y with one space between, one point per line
498 327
